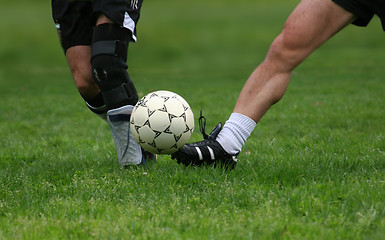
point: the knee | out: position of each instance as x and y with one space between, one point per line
286 52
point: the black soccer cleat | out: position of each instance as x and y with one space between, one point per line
147 157
206 152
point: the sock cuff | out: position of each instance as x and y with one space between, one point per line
243 121
235 132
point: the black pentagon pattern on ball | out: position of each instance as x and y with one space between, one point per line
162 107
172 116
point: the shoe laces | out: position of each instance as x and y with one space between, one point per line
202 125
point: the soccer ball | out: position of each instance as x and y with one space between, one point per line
162 122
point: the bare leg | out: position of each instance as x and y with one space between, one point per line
103 19
312 23
79 61
309 25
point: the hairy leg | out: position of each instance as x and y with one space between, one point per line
78 58
79 61
312 23
309 25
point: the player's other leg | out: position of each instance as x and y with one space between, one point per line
78 58
310 24
79 61
74 26
75 21
110 42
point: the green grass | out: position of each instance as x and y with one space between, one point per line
314 167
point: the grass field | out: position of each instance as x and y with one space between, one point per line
314 168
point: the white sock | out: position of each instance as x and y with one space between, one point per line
235 132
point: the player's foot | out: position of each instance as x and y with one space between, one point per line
129 151
206 152
148 157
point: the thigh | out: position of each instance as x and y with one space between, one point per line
310 24
363 9
315 21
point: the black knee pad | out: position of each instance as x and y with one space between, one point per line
109 68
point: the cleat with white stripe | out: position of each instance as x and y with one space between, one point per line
206 152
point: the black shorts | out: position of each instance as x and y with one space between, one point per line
75 19
364 10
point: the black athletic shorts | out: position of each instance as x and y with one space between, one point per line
75 19
364 10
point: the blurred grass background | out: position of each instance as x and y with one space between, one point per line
312 169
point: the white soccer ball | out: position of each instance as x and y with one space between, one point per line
162 122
